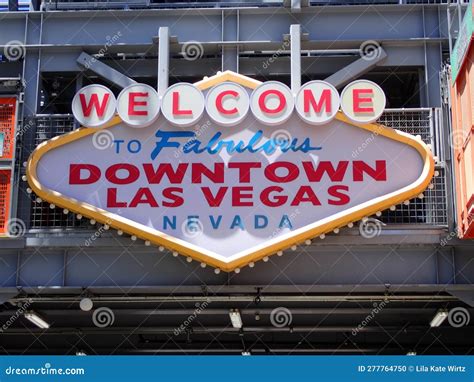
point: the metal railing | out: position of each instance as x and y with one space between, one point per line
431 210
65 5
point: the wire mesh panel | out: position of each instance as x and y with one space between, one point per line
7 126
4 200
42 215
431 209
414 122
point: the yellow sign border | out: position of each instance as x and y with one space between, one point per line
272 246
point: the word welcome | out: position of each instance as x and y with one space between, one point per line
227 104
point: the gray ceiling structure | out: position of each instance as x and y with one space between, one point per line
389 286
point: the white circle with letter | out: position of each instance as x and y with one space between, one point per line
138 105
317 102
227 104
363 101
94 106
182 104
272 103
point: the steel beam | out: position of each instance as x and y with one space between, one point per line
357 68
104 71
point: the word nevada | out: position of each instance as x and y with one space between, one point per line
228 104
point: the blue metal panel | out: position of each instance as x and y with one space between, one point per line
41 269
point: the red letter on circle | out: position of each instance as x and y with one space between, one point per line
263 106
220 107
176 110
132 103
357 100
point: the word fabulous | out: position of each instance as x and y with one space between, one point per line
227 104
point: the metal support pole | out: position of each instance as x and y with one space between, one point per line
295 39
230 32
163 59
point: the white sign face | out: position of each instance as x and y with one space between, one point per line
94 106
231 195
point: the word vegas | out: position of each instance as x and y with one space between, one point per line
227 104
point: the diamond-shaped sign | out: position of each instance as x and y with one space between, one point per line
215 195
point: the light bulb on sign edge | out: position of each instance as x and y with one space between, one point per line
78 216
189 259
23 178
393 208
217 271
294 247
65 211
39 200
280 253
251 265
265 259
336 230
406 202
378 213
322 236
29 190
161 249
106 227
350 225
120 232
308 242
92 221
175 254
133 238
203 265
147 243
237 270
